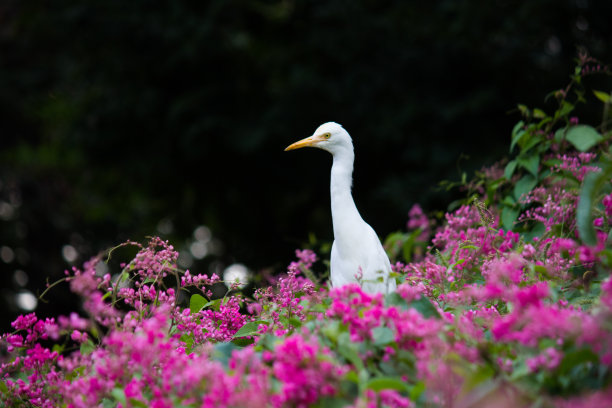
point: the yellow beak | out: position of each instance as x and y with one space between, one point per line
309 141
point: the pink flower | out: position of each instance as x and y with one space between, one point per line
607 202
78 336
532 295
305 377
548 360
418 220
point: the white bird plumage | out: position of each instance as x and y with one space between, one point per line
356 251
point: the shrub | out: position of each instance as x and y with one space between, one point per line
507 302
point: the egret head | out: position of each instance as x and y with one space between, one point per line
329 136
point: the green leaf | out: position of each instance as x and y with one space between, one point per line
524 185
59 348
540 270
243 342
517 133
591 187
530 163
393 243
386 383
565 109
536 231
295 322
87 347
583 137
509 201
119 395
394 299
138 403
508 217
187 339
335 402
602 96
408 247
417 390
539 113
249 329
196 303
574 358
425 307
509 170
223 351
382 336
149 280
108 403
531 141
351 376
214 304
560 135
584 216
520 370
481 374
331 330
346 348
462 261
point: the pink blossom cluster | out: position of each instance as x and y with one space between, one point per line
281 305
210 324
306 258
465 241
38 362
418 220
548 360
150 365
483 316
550 206
145 357
163 355
306 370
607 203
576 164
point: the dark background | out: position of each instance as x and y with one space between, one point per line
122 119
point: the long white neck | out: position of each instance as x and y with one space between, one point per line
344 212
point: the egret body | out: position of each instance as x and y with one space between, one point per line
357 254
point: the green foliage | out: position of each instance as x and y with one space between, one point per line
594 187
531 142
118 115
400 245
424 307
249 329
372 348
583 137
387 383
199 302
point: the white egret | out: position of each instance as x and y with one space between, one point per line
357 254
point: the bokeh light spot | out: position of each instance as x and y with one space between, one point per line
198 249
26 301
202 233
7 254
70 253
236 273
20 277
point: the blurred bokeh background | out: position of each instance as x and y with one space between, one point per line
123 119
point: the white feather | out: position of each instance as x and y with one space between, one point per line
357 254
